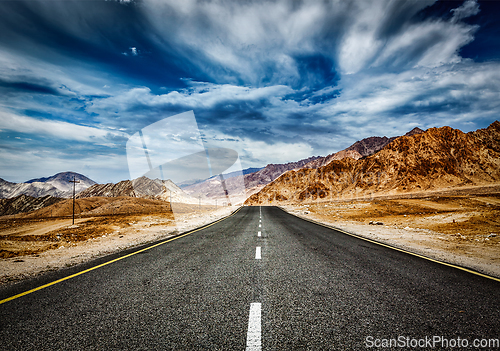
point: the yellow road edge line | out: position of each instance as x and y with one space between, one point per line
114 260
395 248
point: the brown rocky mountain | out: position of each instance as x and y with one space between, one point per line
140 187
362 148
24 203
436 159
273 171
254 181
123 188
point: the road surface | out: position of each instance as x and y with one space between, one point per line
259 280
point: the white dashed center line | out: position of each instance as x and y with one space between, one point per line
258 234
254 342
257 253
260 225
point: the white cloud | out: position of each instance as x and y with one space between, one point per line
279 152
201 95
69 77
22 165
57 129
469 8
255 153
389 103
251 39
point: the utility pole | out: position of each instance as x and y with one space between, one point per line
199 203
74 181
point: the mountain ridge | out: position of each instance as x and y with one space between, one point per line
361 148
435 159
56 186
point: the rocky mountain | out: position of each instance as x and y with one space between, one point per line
36 189
362 148
435 159
210 188
23 203
172 193
123 188
273 171
61 181
142 187
238 185
57 186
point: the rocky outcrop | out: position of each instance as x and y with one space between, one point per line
142 187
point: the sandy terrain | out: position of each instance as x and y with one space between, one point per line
463 230
30 245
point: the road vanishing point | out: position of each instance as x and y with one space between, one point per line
260 279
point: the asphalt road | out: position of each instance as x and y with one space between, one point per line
313 288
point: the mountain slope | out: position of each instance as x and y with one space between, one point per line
57 185
61 181
23 203
123 188
236 185
36 189
361 148
438 158
142 187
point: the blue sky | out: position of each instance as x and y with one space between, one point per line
277 81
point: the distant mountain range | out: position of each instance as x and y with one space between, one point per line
57 186
191 182
419 160
435 159
238 184
142 187
254 181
